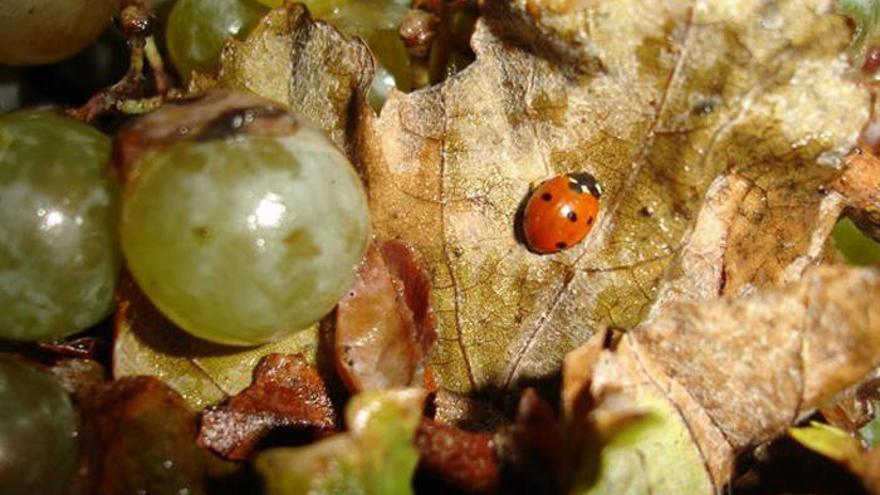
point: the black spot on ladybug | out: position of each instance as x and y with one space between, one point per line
646 212
546 196
582 182
590 221
572 216
561 245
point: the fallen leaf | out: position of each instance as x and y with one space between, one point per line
672 106
853 408
384 324
306 65
376 456
147 343
287 393
698 366
683 109
145 435
861 185
457 458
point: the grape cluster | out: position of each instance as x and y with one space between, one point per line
39 440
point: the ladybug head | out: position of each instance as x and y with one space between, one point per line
582 182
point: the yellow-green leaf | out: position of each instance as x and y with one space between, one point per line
376 456
203 373
833 443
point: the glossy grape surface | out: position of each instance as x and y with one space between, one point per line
198 29
58 255
38 442
856 247
242 240
36 32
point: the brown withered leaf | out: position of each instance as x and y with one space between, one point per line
147 343
719 377
861 185
306 65
287 393
385 324
145 434
743 104
457 458
737 113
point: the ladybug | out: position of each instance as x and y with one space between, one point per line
560 212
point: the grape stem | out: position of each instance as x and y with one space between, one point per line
128 95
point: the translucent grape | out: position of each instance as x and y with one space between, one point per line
198 29
856 247
58 257
36 32
38 425
244 239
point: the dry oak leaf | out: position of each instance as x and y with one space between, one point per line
287 393
722 376
385 324
147 343
683 102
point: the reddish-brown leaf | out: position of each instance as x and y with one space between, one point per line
385 324
286 393
459 458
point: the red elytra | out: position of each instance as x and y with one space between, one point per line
561 212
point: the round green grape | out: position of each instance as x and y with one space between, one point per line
198 29
38 431
245 239
856 247
58 253
34 32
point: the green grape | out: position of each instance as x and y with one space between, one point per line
38 431
10 88
58 256
245 239
856 247
34 32
198 29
